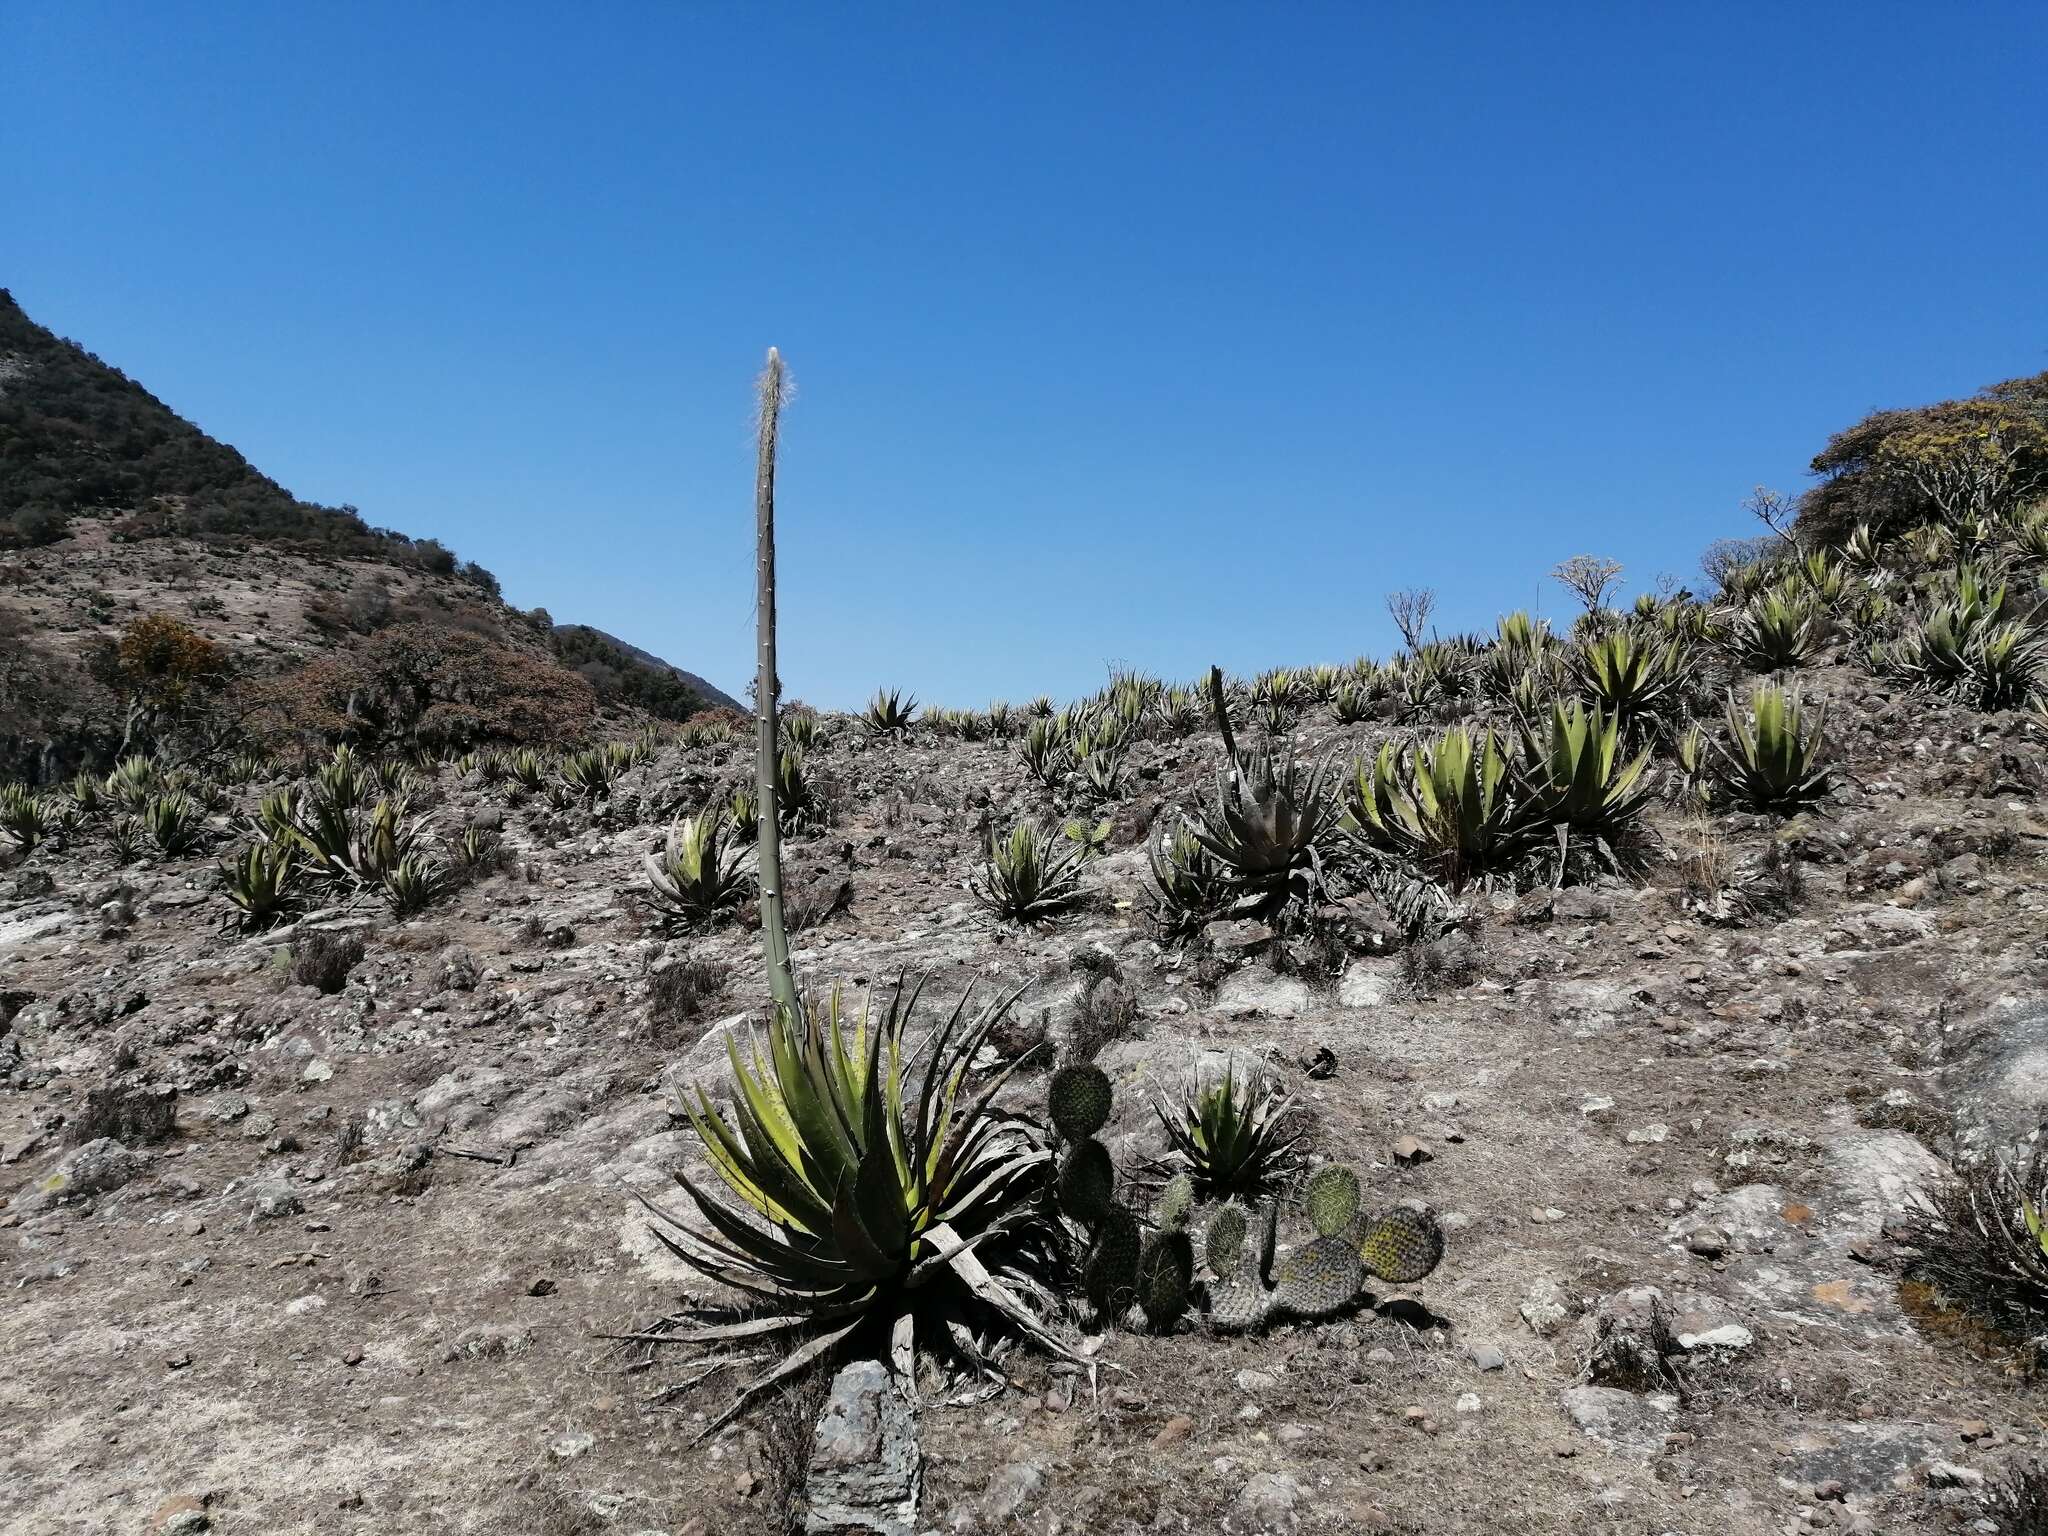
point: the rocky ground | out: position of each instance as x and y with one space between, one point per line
281 1260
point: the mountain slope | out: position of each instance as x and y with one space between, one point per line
115 510
569 636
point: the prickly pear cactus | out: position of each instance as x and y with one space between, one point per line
1087 1182
1110 1272
1223 1243
1402 1245
1320 1278
1079 1099
1166 1268
1331 1198
1239 1305
1176 1201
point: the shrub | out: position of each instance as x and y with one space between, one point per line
1981 1242
432 686
678 991
322 959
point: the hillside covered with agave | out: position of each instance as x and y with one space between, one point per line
1539 1074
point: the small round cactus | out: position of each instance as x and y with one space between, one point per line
1110 1272
1166 1267
1175 1201
1331 1196
1087 1182
1079 1098
1223 1244
1402 1245
1319 1278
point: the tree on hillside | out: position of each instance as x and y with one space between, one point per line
1946 463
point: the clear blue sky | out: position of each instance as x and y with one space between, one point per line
1148 333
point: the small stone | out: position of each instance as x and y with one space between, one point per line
569 1446
1946 1474
1468 1402
1269 1500
1175 1429
318 1070
1707 1242
1488 1357
1010 1490
1408 1152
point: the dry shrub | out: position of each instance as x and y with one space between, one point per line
323 960
431 685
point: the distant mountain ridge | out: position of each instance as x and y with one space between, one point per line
715 697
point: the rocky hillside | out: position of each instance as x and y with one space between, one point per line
1672 986
350 1204
114 510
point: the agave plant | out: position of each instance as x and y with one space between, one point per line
174 823
387 838
1233 1142
1575 780
1777 763
124 839
589 773
1045 753
797 799
493 768
528 769
743 814
803 730
1270 817
1863 552
247 767
88 796
394 775
477 849
1445 808
1030 874
1002 719
1189 886
26 817
868 1190
1782 628
697 873
131 784
342 781
412 884
889 712
1631 677
262 883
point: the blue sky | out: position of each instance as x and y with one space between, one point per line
1153 334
